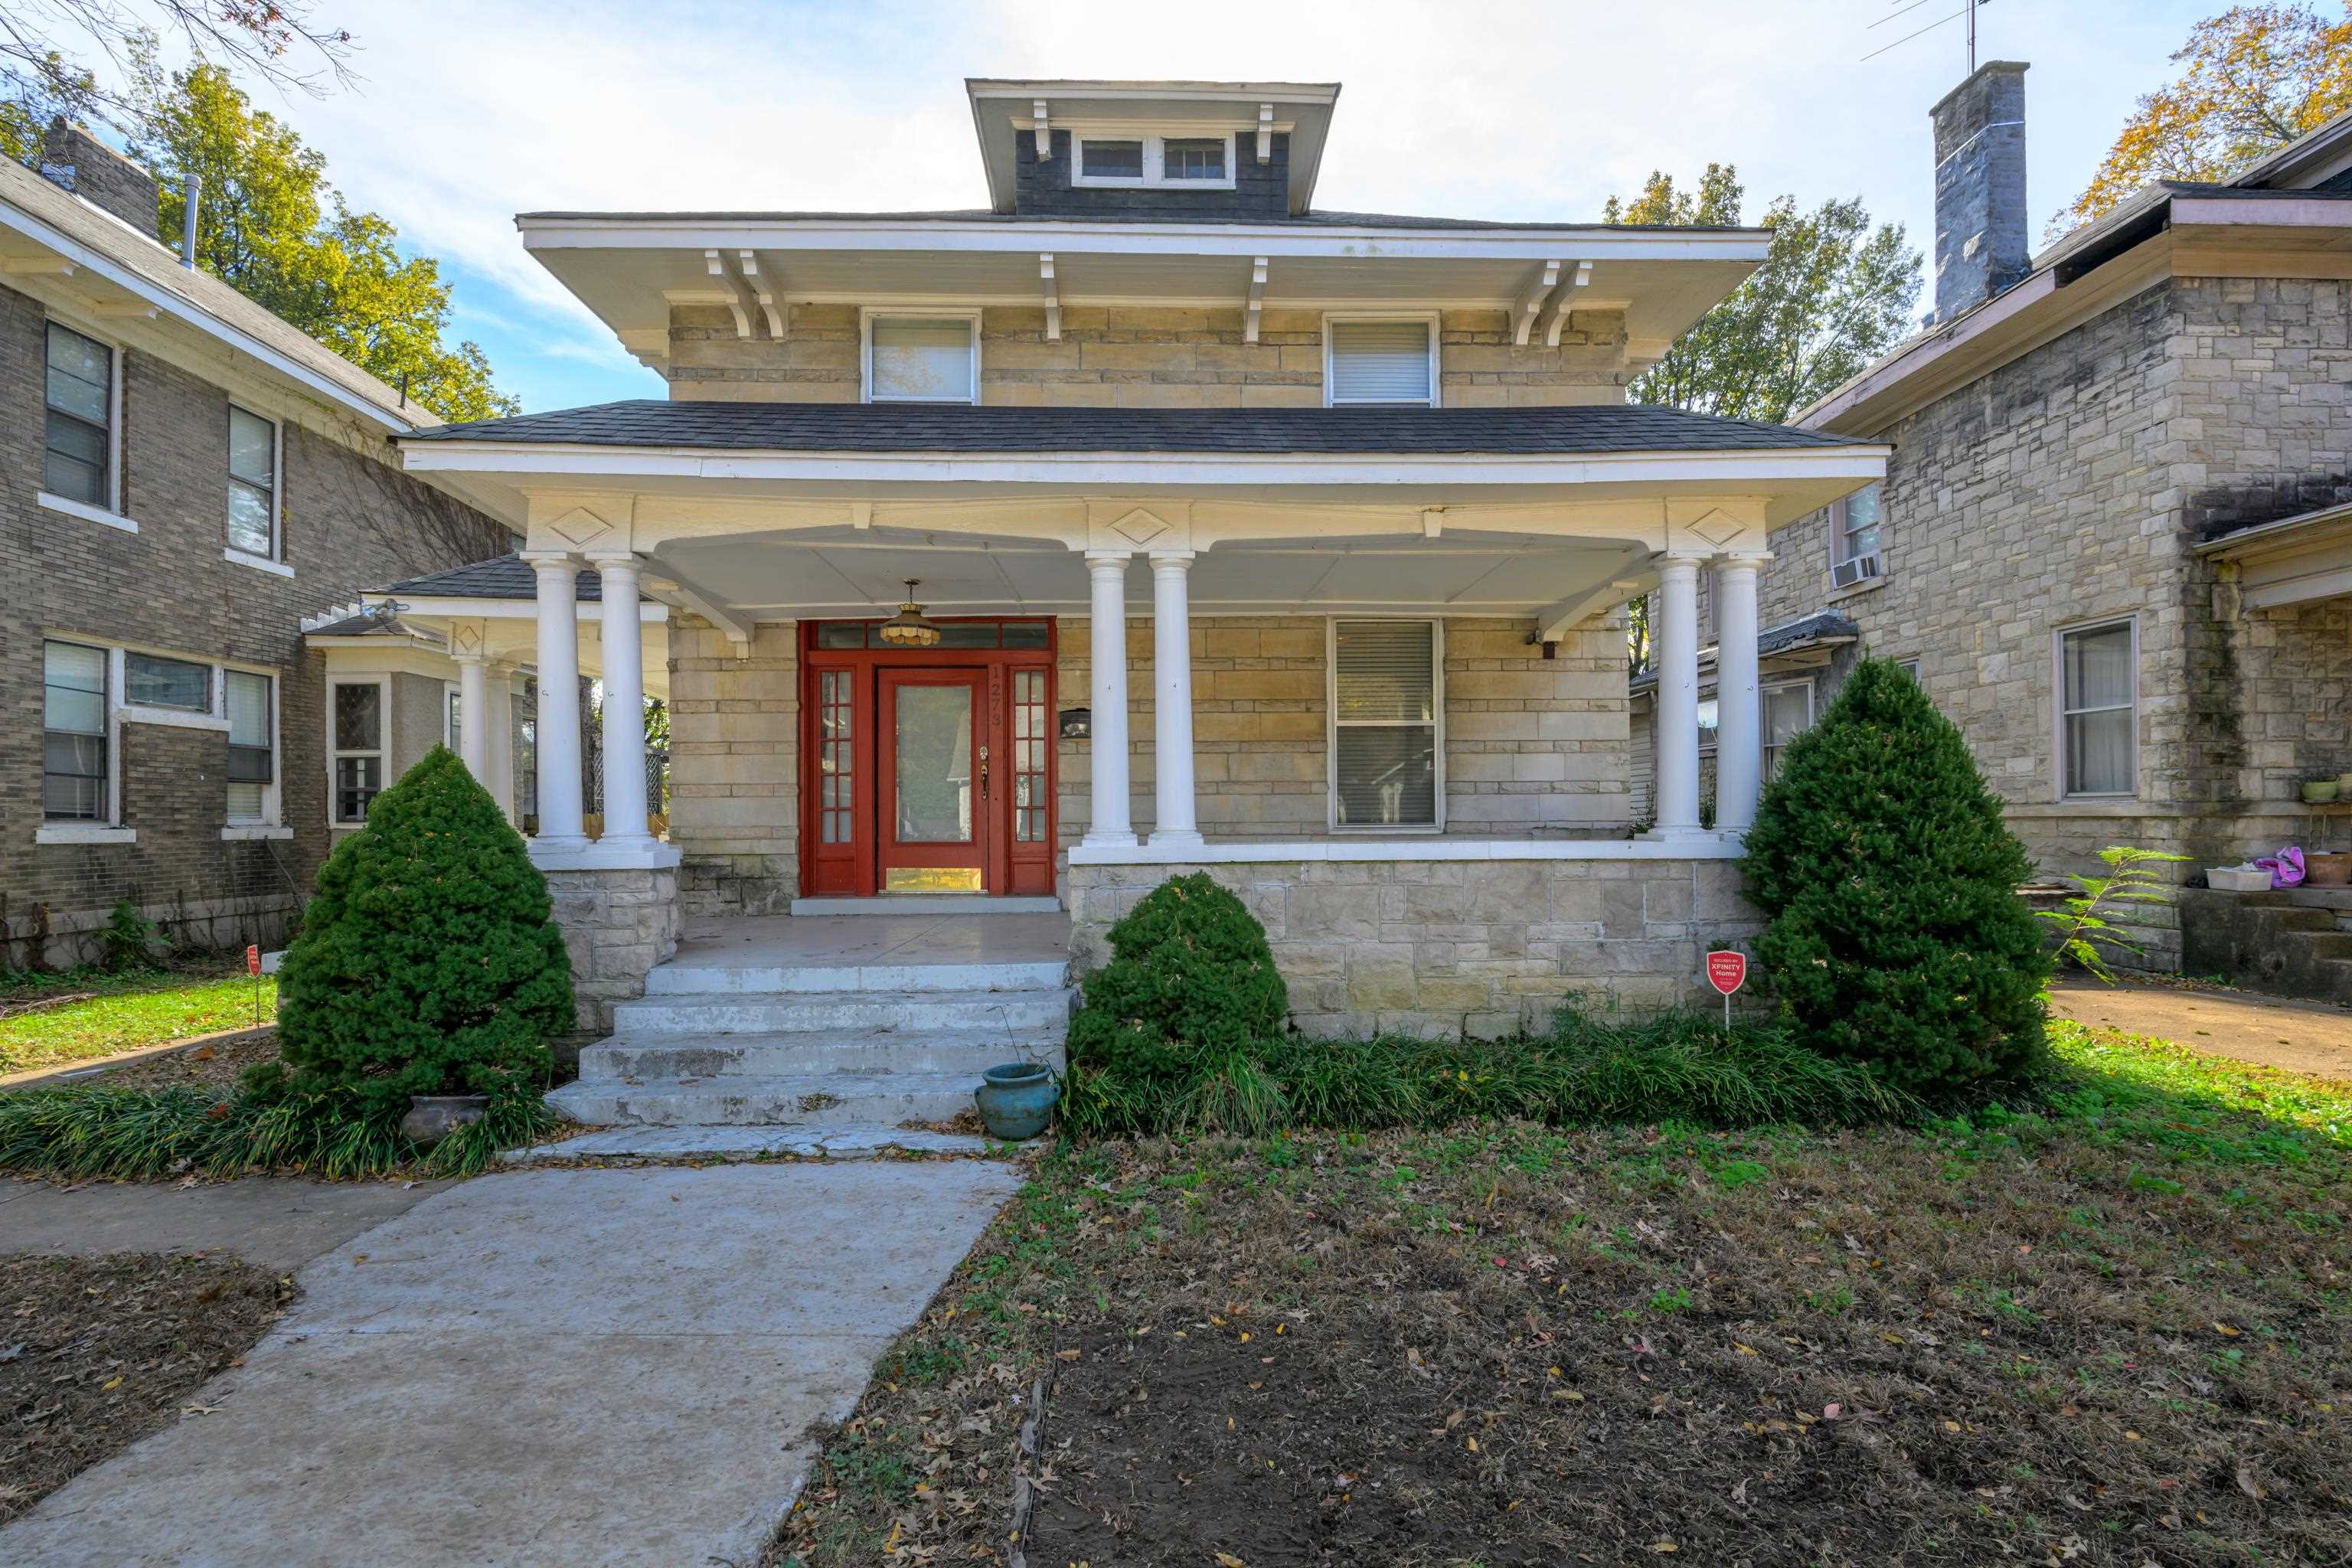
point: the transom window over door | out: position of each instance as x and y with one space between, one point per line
922 358
80 390
1392 360
1385 704
2098 726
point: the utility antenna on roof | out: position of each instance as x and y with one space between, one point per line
1967 9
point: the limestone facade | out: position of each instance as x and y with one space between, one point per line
1482 948
617 924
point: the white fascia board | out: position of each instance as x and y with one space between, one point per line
185 312
1860 460
1597 243
1151 91
648 610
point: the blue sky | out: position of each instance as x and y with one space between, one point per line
468 113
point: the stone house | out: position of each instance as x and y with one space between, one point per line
191 479
1223 532
2112 542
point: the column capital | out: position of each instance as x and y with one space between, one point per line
610 560
1743 560
1680 564
1097 559
550 560
1171 560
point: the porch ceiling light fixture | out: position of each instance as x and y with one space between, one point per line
909 627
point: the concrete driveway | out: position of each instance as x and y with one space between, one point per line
547 1366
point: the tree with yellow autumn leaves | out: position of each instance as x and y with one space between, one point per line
2257 76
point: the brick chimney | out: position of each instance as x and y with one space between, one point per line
1980 244
77 161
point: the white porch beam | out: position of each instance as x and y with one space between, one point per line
558 726
716 266
667 585
1522 314
1565 303
1174 822
755 279
1053 295
1256 298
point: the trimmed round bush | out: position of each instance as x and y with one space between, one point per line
1880 858
429 962
1190 980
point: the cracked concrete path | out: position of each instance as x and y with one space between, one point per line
543 1367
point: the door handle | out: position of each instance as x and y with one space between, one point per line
983 773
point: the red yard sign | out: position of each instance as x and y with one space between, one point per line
1727 971
253 960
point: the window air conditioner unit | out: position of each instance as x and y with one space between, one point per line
1852 573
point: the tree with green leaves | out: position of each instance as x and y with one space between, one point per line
2255 79
430 962
271 225
1888 879
1833 294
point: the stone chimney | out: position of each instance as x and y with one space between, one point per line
74 159
1980 244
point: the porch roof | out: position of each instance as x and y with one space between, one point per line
914 427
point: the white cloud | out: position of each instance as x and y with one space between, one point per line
469 114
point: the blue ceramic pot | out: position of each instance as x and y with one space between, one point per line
1016 1100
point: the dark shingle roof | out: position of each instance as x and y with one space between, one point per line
507 577
937 427
1820 627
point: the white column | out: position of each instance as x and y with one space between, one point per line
1739 718
557 718
1676 630
624 702
1108 634
497 724
1173 823
474 715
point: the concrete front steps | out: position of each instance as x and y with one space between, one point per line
760 1038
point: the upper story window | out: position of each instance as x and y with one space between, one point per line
80 390
1141 162
1854 537
252 483
1380 359
931 357
1386 696
2099 710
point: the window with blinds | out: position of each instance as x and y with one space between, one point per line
1385 702
1380 361
252 757
922 359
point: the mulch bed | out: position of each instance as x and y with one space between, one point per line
97 1352
1509 1345
215 1065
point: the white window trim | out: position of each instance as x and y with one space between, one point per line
382 750
111 512
2058 770
270 824
212 716
1330 317
1764 710
84 833
275 559
1155 161
866 319
451 692
1331 727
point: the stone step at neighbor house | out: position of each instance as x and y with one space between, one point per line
2292 941
829 1023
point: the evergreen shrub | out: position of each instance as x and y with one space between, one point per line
1897 937
429 962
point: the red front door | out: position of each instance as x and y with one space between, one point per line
932 771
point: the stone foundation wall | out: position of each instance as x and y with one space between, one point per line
616 926
734 780
1485 948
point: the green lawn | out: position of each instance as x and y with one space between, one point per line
128 1011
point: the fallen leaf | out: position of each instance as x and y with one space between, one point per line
1065 1355
114 1382
1227 1560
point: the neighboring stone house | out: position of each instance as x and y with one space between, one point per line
2112 539
1372 674
190 478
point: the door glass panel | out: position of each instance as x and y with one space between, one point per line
1029 744
934 782
834 807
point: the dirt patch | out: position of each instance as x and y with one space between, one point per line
97 1352
2271 1031
218 1064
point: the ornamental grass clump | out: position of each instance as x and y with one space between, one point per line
429 962
1897 937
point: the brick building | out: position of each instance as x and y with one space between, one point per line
188 481
2112 539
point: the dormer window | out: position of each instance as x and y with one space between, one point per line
1379 359
1153 162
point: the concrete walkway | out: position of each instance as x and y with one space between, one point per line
278 1222
2274 1031
558 1367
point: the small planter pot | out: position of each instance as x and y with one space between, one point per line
2237 879
433 1117
2325 871
2319 792
1016 1101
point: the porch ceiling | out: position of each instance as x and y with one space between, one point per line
842 571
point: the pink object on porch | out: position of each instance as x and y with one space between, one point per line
2285 867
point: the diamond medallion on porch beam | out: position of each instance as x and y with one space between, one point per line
579 527
1140 527
1719 528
